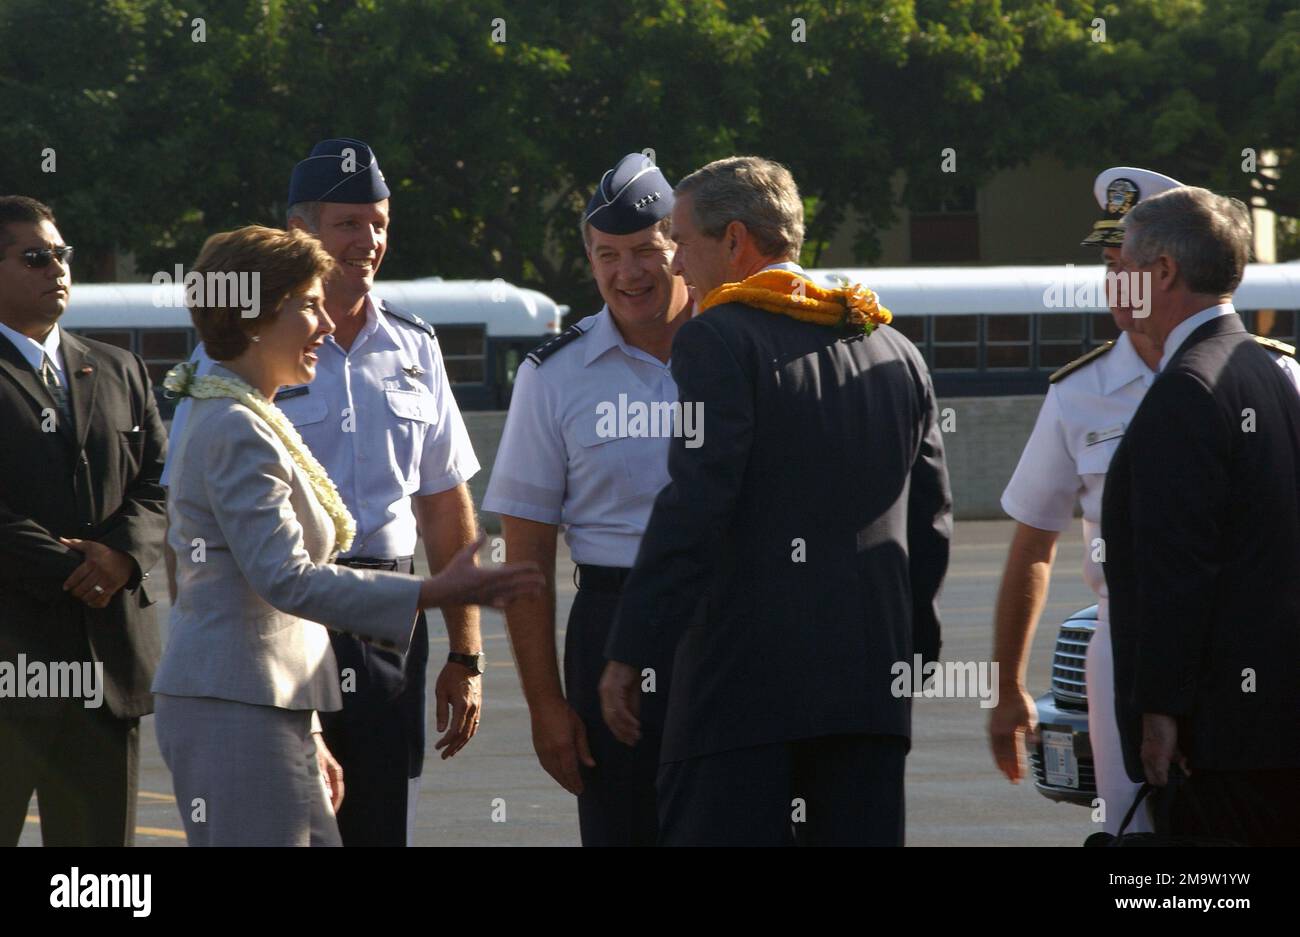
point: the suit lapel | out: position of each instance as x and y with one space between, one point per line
20 372
80 369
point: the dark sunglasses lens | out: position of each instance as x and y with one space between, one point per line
39 257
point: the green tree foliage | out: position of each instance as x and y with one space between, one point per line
1189 85
492 148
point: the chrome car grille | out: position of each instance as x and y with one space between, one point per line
1068 686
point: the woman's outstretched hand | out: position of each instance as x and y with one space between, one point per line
464 582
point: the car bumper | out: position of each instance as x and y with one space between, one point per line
1072 726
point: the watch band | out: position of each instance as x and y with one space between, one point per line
475 662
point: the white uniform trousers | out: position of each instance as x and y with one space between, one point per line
1113 785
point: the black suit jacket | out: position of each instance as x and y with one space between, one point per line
815 516
96 480
1201 523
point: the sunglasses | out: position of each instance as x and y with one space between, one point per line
39 258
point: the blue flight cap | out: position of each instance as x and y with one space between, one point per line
631 196
339 170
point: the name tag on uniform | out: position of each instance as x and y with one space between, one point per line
1101 435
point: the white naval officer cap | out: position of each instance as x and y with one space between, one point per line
1117 190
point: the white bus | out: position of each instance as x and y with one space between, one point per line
984 331
485 327
989 331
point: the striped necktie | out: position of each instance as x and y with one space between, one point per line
57 391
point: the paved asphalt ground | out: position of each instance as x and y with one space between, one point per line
954 794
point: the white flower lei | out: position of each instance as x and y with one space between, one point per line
181 382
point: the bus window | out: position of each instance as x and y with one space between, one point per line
162 350
1007 341
464 351
511 367
1060 339
911 326
956 343
1104 328
119 337
506 356
173 344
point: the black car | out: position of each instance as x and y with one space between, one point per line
1061 762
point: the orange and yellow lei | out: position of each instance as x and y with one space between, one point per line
787 293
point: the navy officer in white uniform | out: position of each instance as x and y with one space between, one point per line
381 419
1089 404
563 463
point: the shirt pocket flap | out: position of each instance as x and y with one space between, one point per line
635 465
302 411
410 405
586 433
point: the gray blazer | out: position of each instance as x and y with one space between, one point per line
255 590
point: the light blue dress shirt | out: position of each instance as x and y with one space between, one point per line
382 421
558 464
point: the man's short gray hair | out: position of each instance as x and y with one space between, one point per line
1207 235
308 212
757 192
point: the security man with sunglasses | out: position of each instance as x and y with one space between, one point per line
82 519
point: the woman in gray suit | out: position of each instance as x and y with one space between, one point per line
254 520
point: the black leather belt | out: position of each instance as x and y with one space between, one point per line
397 564
600 578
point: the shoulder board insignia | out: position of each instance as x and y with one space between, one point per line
552 345
1272 344
409 318
1079 362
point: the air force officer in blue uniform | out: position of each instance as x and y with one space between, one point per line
568 459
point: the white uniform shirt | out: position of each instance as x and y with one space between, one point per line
381 420
554 466
1078 429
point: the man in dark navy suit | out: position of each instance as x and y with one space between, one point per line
815 515
1201 521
